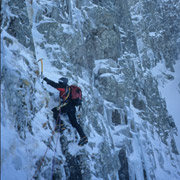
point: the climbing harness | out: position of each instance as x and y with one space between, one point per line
64 97
64 101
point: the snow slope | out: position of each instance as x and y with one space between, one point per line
171 92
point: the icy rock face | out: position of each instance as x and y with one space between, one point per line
109 48
156 28
18 23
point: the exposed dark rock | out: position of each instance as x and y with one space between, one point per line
124 171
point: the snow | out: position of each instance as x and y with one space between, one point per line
156 156
140 44
17 155
170 90
152 34
67 29
171 93
136 18
104 64
11 150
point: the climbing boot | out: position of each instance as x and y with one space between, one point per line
83 141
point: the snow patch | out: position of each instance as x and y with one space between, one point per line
171 92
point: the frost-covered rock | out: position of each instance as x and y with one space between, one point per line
121 54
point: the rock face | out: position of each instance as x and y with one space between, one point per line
110 49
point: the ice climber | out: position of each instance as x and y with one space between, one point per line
68 101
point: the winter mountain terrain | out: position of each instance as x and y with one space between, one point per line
125 56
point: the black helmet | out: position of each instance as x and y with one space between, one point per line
63 80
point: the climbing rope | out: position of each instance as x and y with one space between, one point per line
53 161
41 162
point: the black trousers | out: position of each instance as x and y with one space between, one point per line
70 110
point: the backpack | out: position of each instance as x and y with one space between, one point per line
76 95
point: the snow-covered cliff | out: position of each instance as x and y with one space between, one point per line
125 57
